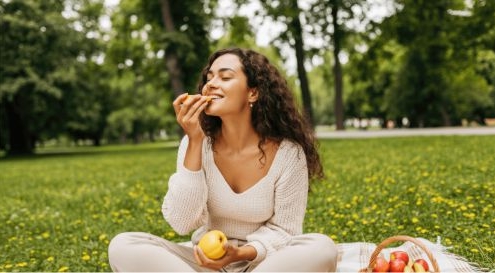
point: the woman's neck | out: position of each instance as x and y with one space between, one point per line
237 136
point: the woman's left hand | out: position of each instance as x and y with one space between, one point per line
231 255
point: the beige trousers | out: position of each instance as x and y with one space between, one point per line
138 251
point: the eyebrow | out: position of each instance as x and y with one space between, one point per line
221 70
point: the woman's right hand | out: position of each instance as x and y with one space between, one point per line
187 110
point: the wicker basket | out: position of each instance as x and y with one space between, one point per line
398 238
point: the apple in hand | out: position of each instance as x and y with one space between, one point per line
212 244
420 265
401 255
381 265
397 265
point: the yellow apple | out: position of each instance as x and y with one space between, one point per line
212 244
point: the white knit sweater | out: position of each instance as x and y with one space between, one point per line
266 215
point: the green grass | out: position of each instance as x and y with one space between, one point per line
61 207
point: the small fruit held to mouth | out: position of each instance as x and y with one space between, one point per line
189 97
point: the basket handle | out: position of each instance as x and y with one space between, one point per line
397 238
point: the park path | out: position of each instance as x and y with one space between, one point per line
407 132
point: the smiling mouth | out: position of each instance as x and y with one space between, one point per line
215 97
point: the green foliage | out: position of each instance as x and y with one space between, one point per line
434 71
322 87
238 34
372 78
190 40
140 82
38 44
485 68
62 206
62 75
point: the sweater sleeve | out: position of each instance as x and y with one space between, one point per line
291 193
184 204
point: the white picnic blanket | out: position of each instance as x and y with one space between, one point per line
354 257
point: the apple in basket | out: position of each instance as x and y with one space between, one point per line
212 244
397 265
409 268
401 255
381 265
420 265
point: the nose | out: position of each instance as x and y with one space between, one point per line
212 83
207 87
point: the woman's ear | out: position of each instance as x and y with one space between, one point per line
253 95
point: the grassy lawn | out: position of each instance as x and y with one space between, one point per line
61 207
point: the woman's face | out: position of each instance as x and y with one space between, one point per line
226 83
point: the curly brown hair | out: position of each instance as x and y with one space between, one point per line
274 115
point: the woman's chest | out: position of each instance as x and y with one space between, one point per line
243 171
253 205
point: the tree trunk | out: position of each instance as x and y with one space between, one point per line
337 69
301 70
445 116
172 63
19 138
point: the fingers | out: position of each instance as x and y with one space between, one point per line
192 107
188 107
178 101
185 102
228 247
204 261
196 251
201 257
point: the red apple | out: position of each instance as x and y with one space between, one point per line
423 262
401 255
381 265
408 268
397 265
420 265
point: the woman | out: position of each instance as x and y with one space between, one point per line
243 168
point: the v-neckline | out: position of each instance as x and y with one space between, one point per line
270 169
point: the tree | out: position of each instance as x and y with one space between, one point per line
289 13
480 42
181 29
372 74
140 97
436 57
38 44
87 99
321 79
328 20
173 64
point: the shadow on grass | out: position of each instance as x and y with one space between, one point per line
63 152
